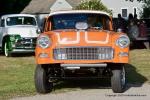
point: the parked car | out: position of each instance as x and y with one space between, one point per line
18 33
147 23
80 44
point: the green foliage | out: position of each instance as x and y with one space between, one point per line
93 5
146 9
145 13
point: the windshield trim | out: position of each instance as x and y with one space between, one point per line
103 15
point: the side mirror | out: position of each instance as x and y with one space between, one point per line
38 31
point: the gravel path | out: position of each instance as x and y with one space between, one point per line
132 93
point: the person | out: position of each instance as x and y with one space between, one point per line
133 30
130 19
91 21
94 22
121 23
136 20
142 29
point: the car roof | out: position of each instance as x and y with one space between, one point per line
13 15
78 11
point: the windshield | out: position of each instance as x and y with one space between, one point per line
21 20
68 21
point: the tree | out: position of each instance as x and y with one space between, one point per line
145 13
146 9
93 5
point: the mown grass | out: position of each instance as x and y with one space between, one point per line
138 71
16 74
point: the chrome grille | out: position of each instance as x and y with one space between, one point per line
83 53
26 43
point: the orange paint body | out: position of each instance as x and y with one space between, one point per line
80 38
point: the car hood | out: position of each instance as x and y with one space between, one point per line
23 31
83 37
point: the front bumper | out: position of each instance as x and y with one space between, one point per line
23 51
78 66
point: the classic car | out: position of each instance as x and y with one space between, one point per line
80 44
18 33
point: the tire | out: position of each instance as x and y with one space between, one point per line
42 83
6 51
118 80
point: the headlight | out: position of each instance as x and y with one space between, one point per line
123 41
44 41
60 54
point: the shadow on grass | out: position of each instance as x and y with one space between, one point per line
1 53
134 79
23 54
19 54
139 45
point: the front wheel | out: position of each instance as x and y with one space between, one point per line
42 83
118 80
6 50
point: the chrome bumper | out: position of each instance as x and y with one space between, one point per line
78 66
22 51
25 43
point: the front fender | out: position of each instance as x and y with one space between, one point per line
10 40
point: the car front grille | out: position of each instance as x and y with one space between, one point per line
83 53
26 43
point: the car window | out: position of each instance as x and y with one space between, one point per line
68 21
2 23
21 20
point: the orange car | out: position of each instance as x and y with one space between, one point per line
80 44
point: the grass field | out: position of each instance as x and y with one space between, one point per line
16 74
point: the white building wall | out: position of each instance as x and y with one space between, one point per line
61 5
117 5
